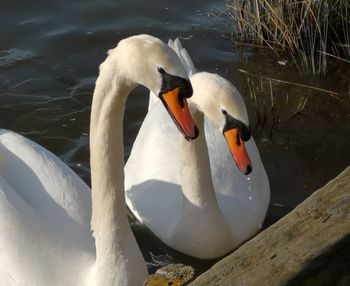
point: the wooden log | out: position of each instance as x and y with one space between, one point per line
278 254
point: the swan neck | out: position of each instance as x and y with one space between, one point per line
197 183
116 247
199 202
107 160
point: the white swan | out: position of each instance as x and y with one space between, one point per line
195 219
45 209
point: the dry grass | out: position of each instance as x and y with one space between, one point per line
309 30
274 101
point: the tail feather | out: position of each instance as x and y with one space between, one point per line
183 55
187 62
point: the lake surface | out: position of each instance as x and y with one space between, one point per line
49 57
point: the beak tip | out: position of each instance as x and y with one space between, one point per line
196 132
248 170
194 136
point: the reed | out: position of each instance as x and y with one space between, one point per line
310 31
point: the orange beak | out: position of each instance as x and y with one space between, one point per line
238 151
178 109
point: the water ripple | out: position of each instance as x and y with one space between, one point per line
13 57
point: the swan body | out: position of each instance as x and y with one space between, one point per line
205 205
45 208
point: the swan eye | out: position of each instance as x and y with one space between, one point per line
171 82
161 70
233 123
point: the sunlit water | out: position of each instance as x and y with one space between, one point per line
49 57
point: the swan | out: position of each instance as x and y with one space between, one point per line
45 208
206 205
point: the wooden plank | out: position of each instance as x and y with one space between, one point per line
287 248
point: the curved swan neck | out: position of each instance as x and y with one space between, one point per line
106 144
117 253
199 202
197 183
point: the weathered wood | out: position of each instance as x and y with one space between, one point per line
288 247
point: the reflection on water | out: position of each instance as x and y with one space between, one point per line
49 57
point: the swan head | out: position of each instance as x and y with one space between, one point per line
148 61
222 103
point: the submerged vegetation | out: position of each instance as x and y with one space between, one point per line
310 31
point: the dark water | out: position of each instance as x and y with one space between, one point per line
49 57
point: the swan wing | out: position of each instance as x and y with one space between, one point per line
31 249
44 182
183 55
152 173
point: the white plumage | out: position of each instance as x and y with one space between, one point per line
45 208
187 215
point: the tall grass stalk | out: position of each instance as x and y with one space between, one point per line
309 30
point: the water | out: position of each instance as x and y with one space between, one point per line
49 57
